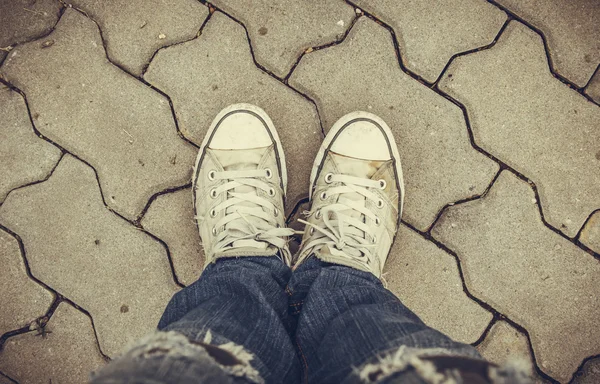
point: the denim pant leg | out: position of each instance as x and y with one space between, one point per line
346 318
240 301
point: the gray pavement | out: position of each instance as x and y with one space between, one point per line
495 106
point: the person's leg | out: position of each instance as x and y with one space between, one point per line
240 302
349 327
234 319
231 325
346 319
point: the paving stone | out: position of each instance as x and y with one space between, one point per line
24 157
124 129
171 218
430 32
22 20
593 88
524 116
589 373
426 279
527 272
439 164
134 30
67 353
22 299
5 379
281 30
590 235
504 344
90 255
205 75
571 29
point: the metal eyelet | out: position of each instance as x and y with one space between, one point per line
213 213
318 214
268 173
276 212
323 195
380 203
328 178
211 175
271 192
311 231
374 239
382 184
377 220
214 231
213 193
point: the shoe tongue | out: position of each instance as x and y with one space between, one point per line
241 160
355 167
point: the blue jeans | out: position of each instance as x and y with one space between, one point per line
252 320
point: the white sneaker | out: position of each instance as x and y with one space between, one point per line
356 193
239 186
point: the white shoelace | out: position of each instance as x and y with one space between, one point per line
345 228
245 220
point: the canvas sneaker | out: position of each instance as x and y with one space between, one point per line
239 186
356 195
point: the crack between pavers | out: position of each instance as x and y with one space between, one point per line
59 14
415 76
486 331
58 298
198 34
585 223
135 223
139 78
340 39
589 82
10 379
266 70
502 166
63 152
553 70
433 87
495 313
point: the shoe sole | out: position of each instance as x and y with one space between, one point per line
342 123
266 120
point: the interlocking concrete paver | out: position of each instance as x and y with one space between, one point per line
22 20
171 218
24 157
524 116
590 235
280 30
66 353
571 29
22 299
536 277
134 30
207 74
589 374
124 129
426 280
90 255
5 379
431 32
504 344
439 164
593 88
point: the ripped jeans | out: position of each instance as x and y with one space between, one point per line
251 320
